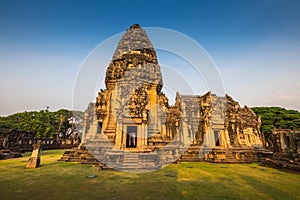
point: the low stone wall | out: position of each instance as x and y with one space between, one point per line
7 154
283 164
47 144
14 142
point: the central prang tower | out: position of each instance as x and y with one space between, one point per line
132 110
132 125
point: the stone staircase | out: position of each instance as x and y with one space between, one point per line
230 158
132 161
90 153
113 159
78 155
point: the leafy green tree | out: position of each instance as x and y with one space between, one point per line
44 123
276 117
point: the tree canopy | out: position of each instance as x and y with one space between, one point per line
44 123
276 117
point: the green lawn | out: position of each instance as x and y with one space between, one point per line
61 180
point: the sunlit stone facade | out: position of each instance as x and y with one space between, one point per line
133 115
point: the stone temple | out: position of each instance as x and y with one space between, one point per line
132 126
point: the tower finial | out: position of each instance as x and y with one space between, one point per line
135 26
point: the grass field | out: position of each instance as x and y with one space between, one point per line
61 180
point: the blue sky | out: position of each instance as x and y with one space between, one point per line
255 45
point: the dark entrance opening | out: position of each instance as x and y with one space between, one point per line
217 141
99 131
287 141
131 136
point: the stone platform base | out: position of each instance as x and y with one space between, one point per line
130 160
118 160
224 155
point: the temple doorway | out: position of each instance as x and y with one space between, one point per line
131 136
216 136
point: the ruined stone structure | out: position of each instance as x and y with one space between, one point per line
132 125
15 142
232 133
285 144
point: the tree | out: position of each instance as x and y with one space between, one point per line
44 123
276 117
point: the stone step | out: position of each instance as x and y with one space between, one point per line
130 164
131 158
130 161
78 155
131 155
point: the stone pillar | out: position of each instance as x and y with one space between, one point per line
282 142
123 138
185 132
35 159
110 129
119 137
93 130
164 130
153 109
86 115
144 135
227 139
140 137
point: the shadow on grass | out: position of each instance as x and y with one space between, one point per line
266 189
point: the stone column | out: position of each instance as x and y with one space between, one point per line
185 132
110 130
122 135
119 137
35 159
153 109
164 130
